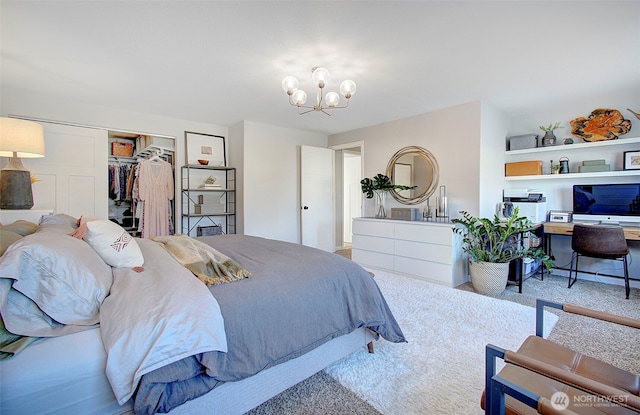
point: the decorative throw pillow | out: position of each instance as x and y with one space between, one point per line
60 223
21 227
114 245
7 238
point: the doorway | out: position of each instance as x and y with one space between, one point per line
348 173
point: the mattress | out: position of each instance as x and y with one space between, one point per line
59 375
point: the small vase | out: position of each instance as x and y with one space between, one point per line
380 197
549 139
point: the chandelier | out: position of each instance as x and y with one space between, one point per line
320 77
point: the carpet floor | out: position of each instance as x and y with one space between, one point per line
372 390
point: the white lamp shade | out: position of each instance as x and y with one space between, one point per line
26 138
348 88
299 97
332 99
290 84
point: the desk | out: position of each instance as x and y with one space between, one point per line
631 233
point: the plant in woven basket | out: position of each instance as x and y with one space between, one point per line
495 241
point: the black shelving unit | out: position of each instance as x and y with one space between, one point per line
198 211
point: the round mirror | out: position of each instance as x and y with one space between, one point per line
413 166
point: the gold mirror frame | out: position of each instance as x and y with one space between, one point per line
431 183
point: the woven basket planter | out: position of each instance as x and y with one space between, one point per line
489 278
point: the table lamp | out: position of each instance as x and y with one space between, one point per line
18 138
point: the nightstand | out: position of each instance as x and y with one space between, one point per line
32 215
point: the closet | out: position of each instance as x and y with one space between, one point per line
141 183
73 176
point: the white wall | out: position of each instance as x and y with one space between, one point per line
236 159
270 187
493 131
451 134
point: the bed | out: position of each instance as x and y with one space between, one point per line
159 346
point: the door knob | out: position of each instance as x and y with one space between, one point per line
305 207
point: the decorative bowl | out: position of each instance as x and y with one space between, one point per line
203 162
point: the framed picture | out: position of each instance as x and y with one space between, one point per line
200 146
631 160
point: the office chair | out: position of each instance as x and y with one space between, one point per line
599 241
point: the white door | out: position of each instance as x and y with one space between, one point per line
316 196
73 175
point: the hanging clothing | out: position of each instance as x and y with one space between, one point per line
118 178
155 188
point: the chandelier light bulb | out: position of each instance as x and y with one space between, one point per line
320 77
348 88
332 99
290 84
299 97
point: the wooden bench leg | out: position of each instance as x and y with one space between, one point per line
370 347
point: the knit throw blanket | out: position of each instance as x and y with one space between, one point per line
209 265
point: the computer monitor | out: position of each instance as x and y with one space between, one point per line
607 203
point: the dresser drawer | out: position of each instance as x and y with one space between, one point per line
423 251
372 243
435 272
372 259
430 234
372 228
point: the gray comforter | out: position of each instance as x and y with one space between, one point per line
297 299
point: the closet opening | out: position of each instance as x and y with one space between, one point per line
128 153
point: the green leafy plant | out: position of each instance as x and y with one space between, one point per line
380 182
495 240
551 127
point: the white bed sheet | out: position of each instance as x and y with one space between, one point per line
66 375
60 375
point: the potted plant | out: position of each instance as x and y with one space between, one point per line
549 138
378 188
492 244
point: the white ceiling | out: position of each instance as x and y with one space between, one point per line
222 62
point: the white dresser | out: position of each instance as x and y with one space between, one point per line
426 250
32 215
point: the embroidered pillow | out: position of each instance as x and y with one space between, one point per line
114 245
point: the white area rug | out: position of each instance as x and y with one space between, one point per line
441 369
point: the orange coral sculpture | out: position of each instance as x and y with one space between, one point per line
603 124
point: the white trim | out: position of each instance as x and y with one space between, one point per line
23 117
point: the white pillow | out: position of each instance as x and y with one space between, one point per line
114 245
